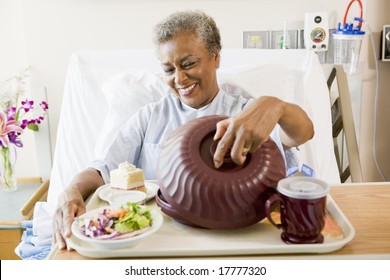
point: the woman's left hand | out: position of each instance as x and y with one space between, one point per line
247 131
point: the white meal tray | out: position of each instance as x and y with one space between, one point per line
177 240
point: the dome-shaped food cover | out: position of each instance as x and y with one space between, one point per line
195 193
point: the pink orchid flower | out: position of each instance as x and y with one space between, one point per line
11 112
44 105
7 127
27 105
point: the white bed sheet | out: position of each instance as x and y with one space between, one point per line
294 75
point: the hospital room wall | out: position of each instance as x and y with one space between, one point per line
44 33
377 14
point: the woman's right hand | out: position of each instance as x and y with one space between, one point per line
70 205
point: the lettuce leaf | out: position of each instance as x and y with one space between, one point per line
135 219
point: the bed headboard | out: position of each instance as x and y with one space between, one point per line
293 75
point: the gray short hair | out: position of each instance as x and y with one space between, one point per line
197 22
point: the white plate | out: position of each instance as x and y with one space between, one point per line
116 243
259 239
151 187
118 199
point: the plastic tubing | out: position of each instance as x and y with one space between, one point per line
361 11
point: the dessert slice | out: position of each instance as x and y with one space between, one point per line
127 177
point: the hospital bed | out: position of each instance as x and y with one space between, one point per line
103 88
343 127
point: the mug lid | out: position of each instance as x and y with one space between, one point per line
303 187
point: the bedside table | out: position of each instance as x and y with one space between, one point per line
16 207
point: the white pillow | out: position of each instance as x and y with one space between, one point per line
270 79
126 93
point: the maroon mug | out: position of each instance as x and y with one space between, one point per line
302 202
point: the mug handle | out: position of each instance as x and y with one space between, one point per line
268 206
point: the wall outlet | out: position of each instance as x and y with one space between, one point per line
291 39
255 40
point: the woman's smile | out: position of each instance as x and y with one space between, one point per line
187 91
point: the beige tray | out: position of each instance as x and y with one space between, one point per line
175 240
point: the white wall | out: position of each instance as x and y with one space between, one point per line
13 57
377 15
45 32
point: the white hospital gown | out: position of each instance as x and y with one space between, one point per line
140 139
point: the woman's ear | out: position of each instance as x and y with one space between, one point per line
217 59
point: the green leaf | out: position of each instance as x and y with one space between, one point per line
33 127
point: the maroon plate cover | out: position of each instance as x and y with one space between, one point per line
226 198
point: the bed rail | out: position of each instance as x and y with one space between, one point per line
342 122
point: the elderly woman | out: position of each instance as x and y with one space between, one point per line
188 46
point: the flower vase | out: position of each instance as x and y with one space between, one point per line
7 164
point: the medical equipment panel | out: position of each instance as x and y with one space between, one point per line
316 31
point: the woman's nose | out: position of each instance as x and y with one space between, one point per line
180 77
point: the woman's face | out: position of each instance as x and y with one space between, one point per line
190 70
